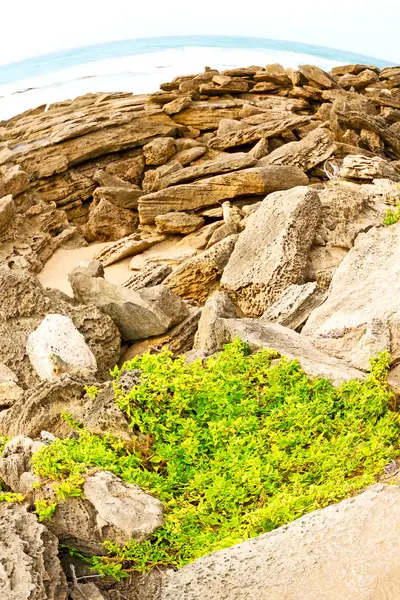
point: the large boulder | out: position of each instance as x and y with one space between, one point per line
361 315
57 347
23 305
272 252
347 551
218 305
137 314
29 564
293 308
289 343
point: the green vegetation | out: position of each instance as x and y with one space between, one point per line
392 216
233 448
45 509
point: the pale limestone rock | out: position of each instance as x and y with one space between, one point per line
294 306
159 151
178 222
218 305
57 347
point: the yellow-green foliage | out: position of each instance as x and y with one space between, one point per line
233 448
392 216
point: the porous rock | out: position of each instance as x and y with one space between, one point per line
272 252
178 222
218 305
29 564
294 306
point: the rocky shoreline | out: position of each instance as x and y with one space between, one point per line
264 203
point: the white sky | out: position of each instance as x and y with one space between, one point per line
33 27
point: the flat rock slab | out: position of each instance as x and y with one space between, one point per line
272 252
348 551
256 181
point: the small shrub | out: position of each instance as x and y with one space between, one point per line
233 448
392 216
45 509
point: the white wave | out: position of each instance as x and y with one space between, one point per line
140 73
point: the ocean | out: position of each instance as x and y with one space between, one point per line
139 66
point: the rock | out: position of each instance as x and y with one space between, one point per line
125 196
6 375
273 127
57 347
24 304
361 315
130 169
176 106
295 561
199 239
148 276
225 85
289 343
347 210
159 151
189 155
363 167
351 69
13 180
359 81
222 164
312 150
7 211
178 222
272 251
41 407
10 393
101 227
110 510
229 125
178 340
260 149
317 76
191 196
137 314
87 591
29 565
154 178
16 462
294 306
128 246
206 115
197 277
218 305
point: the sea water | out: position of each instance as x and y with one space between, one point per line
139 66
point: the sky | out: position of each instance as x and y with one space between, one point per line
31 28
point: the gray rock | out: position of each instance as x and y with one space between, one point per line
137 314
218 305
87 591
261 335
57 347
29 564
15 463
293 308
148 276
272 252
347 551
367 167
111 510
361 315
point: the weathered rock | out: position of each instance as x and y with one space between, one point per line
359 81
10 393
7 211
41 408
224 85
318 76
200 238
130 169
23 305
16 462
363 167
150 275
13 180
108 222
218 305
87 591
260 149
29 565
57 347
197 277
289 343
347 209
178 222
257 181
159 151
271 128
111 510
272 251
295 561
313 149
361 316
178 340
185 157
128 246
137 315
222 164
176 106
124 196
294 306
207 115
